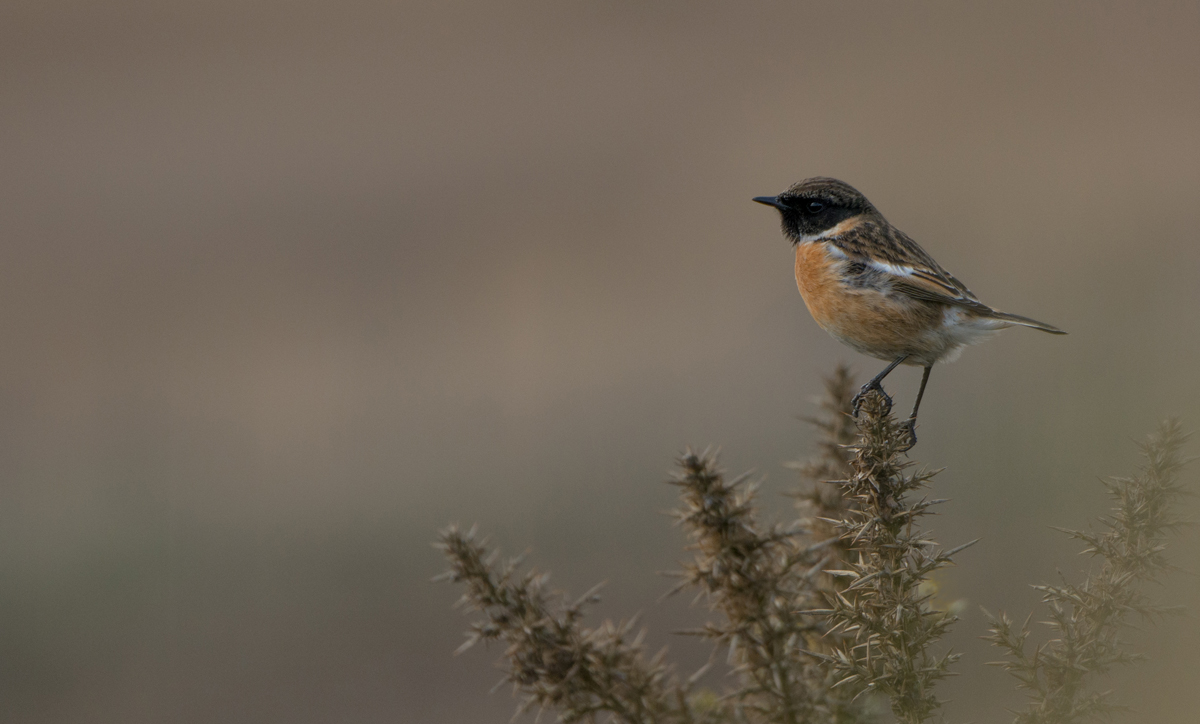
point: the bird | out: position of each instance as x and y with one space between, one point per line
876 290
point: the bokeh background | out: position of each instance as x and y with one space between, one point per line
287 286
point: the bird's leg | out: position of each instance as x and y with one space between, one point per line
874 384
912 419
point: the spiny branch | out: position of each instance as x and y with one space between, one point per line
882 610
1088 618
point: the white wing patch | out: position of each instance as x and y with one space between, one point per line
883 266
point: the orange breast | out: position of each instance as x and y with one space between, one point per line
868 319
817 279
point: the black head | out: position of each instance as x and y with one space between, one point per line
815 205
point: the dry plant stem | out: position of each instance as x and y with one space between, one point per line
820 501
888 623
552 659
759 579
857 549
1088 618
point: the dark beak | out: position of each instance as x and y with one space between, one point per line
769 201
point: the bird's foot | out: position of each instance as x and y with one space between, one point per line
857 401
911 426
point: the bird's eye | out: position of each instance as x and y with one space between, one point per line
815 206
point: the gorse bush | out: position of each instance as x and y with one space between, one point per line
828 619
1087 619
884 608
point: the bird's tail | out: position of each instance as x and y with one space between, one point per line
1025 322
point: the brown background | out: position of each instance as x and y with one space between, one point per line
287 286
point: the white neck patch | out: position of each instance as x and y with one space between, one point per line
831 233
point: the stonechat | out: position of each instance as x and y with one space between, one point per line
873 288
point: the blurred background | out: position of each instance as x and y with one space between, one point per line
285 287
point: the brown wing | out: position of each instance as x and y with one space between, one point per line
876 244
916 273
